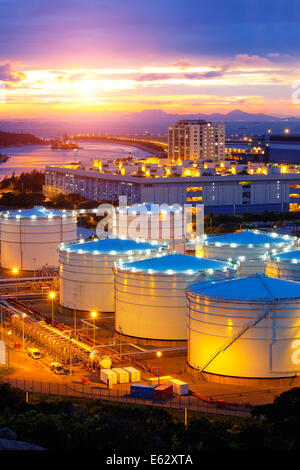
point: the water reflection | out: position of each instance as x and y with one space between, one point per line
30 157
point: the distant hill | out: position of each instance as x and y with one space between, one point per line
236 115
11 139
155 121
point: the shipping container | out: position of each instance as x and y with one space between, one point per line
179 387
122 375
164 379
108 375
134 374
142 390
163 392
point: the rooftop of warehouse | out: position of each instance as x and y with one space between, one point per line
111 246
252 288
248 237
177 263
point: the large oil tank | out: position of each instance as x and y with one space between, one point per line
284 265
250 247
86 276
246 327
30 237
150 295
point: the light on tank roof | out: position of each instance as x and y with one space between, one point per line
113 252
267 245
218 244
242 258
81 240
170 271
17 216
190 271
33 216
250 245
150 271
210 271
294 261
96 252
233 245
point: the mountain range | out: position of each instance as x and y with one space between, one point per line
155 121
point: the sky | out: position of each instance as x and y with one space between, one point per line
95 58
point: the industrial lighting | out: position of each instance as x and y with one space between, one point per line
15 271
52 295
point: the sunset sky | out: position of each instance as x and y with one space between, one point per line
93 57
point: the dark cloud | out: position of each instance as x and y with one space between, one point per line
60 32
151 77
8 75
202 76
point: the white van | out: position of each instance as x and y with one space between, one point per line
34 353
57 368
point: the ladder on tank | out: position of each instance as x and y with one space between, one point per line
243 330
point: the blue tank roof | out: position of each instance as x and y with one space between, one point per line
38 212
177 263
248 237
111 246
292 256
252 288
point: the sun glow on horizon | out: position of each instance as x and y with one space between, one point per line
180 88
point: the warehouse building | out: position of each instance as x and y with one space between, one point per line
233 193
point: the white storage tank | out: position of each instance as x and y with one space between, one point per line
86 276
30 237
250 247
284 265
150 295
246 328
164 223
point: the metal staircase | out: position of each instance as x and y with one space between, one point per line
240 333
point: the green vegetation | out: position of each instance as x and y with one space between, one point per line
225 223
11 138
80 424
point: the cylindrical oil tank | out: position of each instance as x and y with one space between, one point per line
86 276
30 237
150 294
284 265
246 327
164 223
250 247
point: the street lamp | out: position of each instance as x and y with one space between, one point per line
158 354
15 272
8 346
94 316
52 296
23 316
